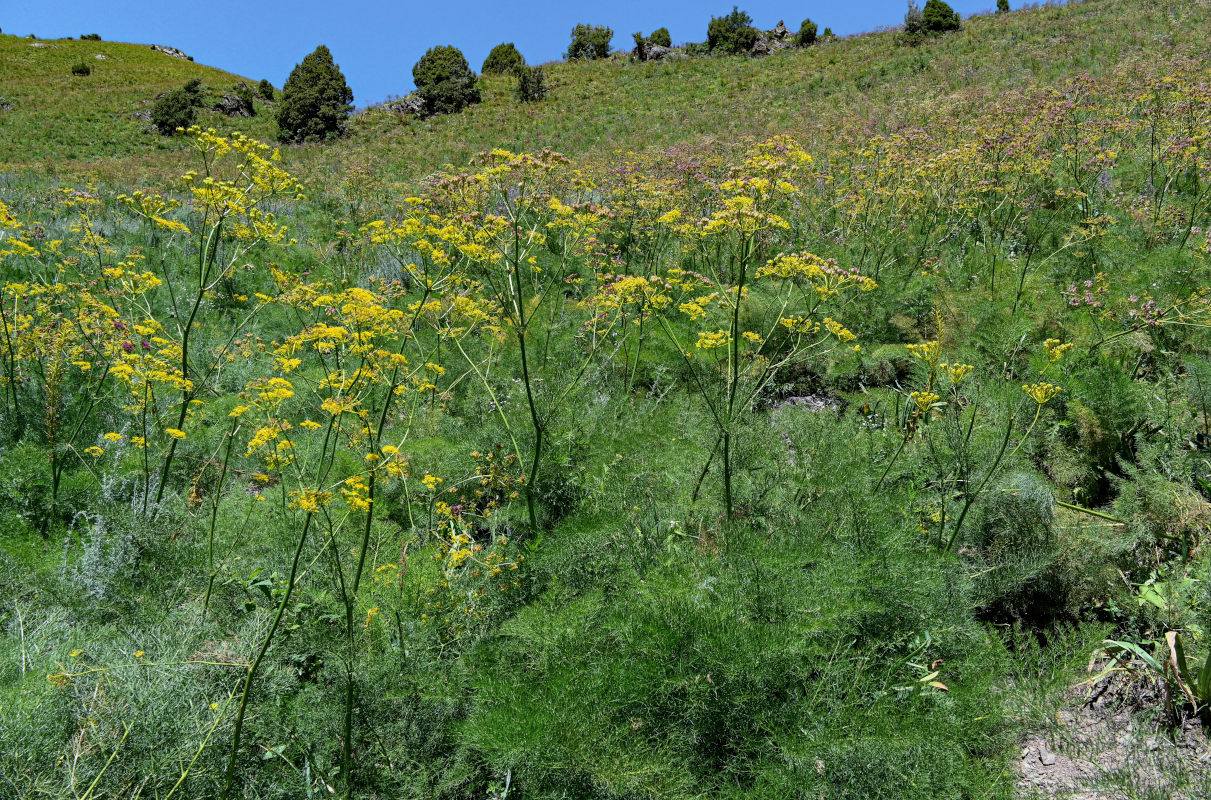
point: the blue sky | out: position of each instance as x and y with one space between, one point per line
376 43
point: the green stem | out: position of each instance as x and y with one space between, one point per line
971 498
252 670
214 516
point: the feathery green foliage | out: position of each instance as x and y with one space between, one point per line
561 473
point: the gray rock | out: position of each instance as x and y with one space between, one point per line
233 106
170 51
761 47
100 56
780 31
651 52
410 105
1046 757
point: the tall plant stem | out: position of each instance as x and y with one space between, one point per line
214 517
971 498
252 670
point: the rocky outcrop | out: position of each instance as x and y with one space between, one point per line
410 105
170 51
233 106
769 42
651 52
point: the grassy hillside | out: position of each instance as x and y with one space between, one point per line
827 426
823 95
62 122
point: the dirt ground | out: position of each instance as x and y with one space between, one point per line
1111 741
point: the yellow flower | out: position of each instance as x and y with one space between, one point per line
238 411
94 451
310 425
1041 392
430 482
1055 350
924 400
75 653
175 433
708 340
929 352
138 654
956 372
112 437
839 330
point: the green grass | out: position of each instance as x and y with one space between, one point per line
60 121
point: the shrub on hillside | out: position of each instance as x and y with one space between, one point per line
316 100
939 17
81 68
1002 6
177 109
90 37
444 80
531 84
661 37
265 88
807 34
589 42
733 33
503 60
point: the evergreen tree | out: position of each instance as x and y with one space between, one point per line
661 37
444 80
939 17
807 34
589 42
316 100
503 60
733 33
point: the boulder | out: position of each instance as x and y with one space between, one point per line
651 52
410 105
233 106
761 47
780 31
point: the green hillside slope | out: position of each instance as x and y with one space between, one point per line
57 119
824 94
